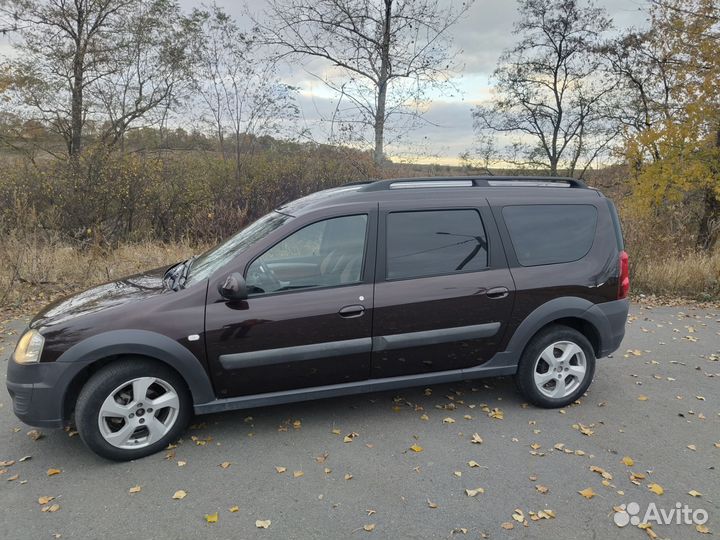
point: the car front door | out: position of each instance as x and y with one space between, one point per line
444 292
307 320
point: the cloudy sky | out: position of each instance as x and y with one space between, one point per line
482 35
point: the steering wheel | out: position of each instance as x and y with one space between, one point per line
261 276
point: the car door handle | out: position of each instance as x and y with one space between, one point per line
348 312
497 292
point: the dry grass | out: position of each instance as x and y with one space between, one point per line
693 275
35 270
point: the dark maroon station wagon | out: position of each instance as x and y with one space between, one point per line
366 287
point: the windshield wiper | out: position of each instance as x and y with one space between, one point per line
185 272
171 275
177 272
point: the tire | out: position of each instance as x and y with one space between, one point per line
556 377
116 425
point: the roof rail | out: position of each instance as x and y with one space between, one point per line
471 181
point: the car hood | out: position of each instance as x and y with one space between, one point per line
103 297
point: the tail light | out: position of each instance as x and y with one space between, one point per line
624 276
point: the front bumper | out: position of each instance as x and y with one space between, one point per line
38 391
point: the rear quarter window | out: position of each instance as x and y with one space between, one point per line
550 233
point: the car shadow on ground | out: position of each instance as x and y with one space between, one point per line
371 412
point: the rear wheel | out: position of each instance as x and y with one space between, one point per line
556 367
132 408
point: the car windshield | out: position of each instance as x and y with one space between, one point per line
211 260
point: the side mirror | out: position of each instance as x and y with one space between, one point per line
234 287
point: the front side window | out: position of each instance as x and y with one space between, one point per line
550 233
325 254
220 255
435 242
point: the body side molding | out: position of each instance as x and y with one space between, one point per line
295 354
356 346
434 337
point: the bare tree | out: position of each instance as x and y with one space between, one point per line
239 87
386 53
93 62
550 100
641 67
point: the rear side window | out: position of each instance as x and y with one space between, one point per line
436 242
616 225
550 233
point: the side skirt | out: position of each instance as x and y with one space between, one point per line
490 369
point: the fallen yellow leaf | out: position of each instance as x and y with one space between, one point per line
45 500
225 464
448 420
474 492
628 461
507 525
179 495
702 529
542 489
642 397
35 435
518 515
588 493
135 489
602 472
211 518
280 470
472 463
694 493
416 448
656 488
496 413
262 524
477 439
431 504
234 509
53 472
298 474
370 527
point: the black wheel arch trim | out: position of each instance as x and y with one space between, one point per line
148 344
553 310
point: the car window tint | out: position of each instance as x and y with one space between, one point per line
435 242
324 254
550 233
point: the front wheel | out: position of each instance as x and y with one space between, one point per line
556 367
132 408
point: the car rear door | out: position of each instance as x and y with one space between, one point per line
443 293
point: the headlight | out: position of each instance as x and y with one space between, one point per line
29 348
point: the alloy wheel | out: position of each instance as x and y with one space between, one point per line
138 413
560 369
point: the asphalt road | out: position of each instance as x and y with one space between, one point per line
658 405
